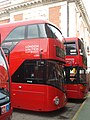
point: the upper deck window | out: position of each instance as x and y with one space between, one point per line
53 32
81 48
40 30
82 52
36 31
17 34
43 31
70 48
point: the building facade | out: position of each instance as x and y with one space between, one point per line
69 15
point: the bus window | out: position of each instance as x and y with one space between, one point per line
55 75
60 52
36 72
43 31
30 72
32 34
17 34
38 42
54 32
82 76
73 74
12 39
82 52
39 31
71 48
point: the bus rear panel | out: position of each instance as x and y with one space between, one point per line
76 84
36 57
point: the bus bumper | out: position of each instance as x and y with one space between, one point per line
7 115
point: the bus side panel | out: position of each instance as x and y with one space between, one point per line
31 50
36 97
52 93
26 96
76 91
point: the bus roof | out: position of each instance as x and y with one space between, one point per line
6 28
20 23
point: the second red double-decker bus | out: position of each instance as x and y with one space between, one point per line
5 99
76 84
36 65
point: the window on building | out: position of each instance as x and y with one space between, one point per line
87 48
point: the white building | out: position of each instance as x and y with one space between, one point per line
69 15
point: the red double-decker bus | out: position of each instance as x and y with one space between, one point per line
36 60
76 84
5 100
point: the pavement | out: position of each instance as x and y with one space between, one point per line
65 113
84 111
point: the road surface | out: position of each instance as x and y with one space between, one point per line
66 113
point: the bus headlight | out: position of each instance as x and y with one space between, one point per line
56 100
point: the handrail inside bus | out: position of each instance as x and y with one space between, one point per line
7 53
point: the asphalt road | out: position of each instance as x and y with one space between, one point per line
66 113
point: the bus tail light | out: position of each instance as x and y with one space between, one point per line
81 88
56 100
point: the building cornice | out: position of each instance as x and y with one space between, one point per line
83 13
32 3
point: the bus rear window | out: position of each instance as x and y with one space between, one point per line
30 72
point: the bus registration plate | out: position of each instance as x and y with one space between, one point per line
5 108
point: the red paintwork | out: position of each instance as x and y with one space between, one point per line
6 28
6 116
18 53
76 91
73 90
74 60
35 97
3 78
41 94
